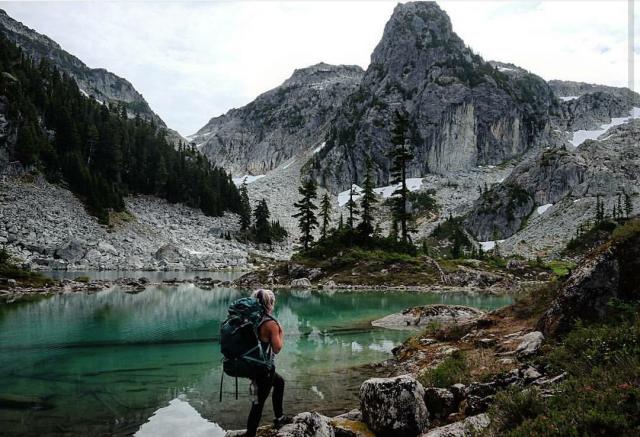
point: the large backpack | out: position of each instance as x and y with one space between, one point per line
240 344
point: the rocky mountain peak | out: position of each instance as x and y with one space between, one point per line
323 74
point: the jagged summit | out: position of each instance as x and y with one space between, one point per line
280 123
463 111
322 73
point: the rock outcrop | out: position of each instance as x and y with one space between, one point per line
279 124
462 111
394 406
419 317
468 427
605 167
610 271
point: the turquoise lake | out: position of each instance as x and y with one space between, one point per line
103 363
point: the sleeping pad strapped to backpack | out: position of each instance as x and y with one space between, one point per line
244 356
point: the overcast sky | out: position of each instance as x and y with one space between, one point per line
196 60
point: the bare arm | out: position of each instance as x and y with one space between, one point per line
275 335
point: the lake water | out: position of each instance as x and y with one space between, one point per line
103 363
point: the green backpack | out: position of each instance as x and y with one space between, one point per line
240 345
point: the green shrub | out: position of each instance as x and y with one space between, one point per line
82 279
451 371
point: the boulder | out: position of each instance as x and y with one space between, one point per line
530 344
394 406
307 425
301 283
73 250
610 271
440 402
105 247
169 254
417 317
470 426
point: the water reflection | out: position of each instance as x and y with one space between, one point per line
106 361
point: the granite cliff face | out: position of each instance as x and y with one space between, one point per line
463 111
607 167
98 83
280 123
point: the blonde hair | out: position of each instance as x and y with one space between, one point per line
266 298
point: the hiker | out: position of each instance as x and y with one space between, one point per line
271 336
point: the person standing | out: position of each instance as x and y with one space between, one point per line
271 336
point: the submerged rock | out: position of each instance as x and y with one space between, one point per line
394 406
301 283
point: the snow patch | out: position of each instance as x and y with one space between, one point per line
343 197
581 136
542 209
319 148
506 69
288 164
568 98
490 245
413 184
246 178
179 418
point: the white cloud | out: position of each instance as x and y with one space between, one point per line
195 60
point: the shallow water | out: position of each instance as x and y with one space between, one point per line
104 362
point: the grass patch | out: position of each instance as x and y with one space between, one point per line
84 279
601 395
560 268
535 302
452 370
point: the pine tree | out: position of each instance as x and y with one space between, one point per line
367 203
261 219
325 215
245 208
628 206
307 220
599 210
619 212
400 157
352 207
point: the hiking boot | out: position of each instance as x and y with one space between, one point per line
281 421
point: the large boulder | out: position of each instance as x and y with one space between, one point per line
394 406
169 254
529 344
418 317
301 283
307 425
610 271
73 250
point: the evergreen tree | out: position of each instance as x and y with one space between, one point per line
599 209
307 220
619 210
352 207
325 215
367 203
400 156
245 208
628 205
262 228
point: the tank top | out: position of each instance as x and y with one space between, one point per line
266 346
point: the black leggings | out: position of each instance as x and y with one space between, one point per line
264 384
